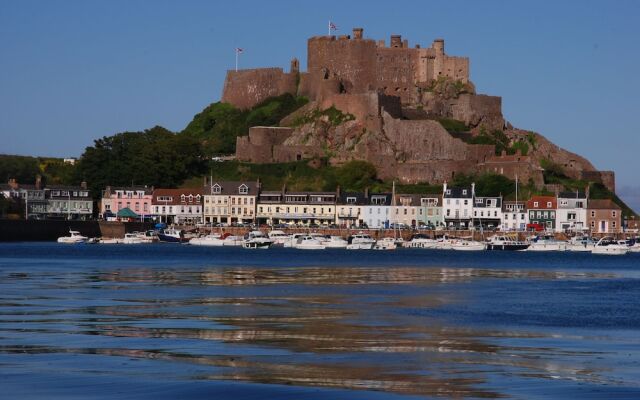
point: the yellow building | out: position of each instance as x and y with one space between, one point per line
231 202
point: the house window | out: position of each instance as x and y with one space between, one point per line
464 192
351 200
243 189
593 224
613 214
613 224
448 191
593 214
216 189
548 204
535 204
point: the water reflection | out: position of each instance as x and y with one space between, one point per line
296 326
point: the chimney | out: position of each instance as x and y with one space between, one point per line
444 188
258 185
38 182
338 191
13 184
83 184
586 191
473 189
366 192
357 33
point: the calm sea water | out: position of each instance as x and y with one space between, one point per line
172 321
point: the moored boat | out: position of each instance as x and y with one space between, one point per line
467 245
213 239
361 241
170 235
547 243
132 238
256 240
335 242
387 243
500 242
308 242
608 246
74 237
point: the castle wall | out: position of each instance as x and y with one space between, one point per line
246 88
478 109
423 140
396 70
607 178
351 62
258 146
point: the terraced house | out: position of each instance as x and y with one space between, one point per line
137 199
350 209
230 202
542 212
179 206
69 202
297 208
457 206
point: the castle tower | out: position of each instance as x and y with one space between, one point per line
357 33
295 66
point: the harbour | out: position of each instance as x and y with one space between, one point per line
174 320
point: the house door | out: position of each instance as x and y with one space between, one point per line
603 226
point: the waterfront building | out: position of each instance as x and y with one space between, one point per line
571 214
179 206
231 202
29 198
138 199
376 212
542 212
487 213
69 202
603 216
514 216
457 207
417 210
350 209
297 208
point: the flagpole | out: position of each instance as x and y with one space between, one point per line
329 30
236 60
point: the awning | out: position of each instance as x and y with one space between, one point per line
126 213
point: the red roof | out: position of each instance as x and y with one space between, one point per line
175 197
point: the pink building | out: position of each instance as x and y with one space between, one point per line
136 198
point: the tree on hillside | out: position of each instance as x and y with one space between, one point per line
155 157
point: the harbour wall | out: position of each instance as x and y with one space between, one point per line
51 230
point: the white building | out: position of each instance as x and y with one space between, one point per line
514 216
457 207
376 213
487 212
179 206
571 215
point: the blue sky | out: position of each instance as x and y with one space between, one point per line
73 71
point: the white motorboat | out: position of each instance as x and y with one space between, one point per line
74 237
148 236
335 242
309 242
635 247
467 245
256 240
421 241
361 241
279 237
132 238
292 241
581 244
500 242
547 243
608 246
232 240
213 239
387 243
110 241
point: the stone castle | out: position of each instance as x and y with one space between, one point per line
394 96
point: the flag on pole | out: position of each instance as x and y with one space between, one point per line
239 50
332 26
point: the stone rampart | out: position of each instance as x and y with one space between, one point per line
246 88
